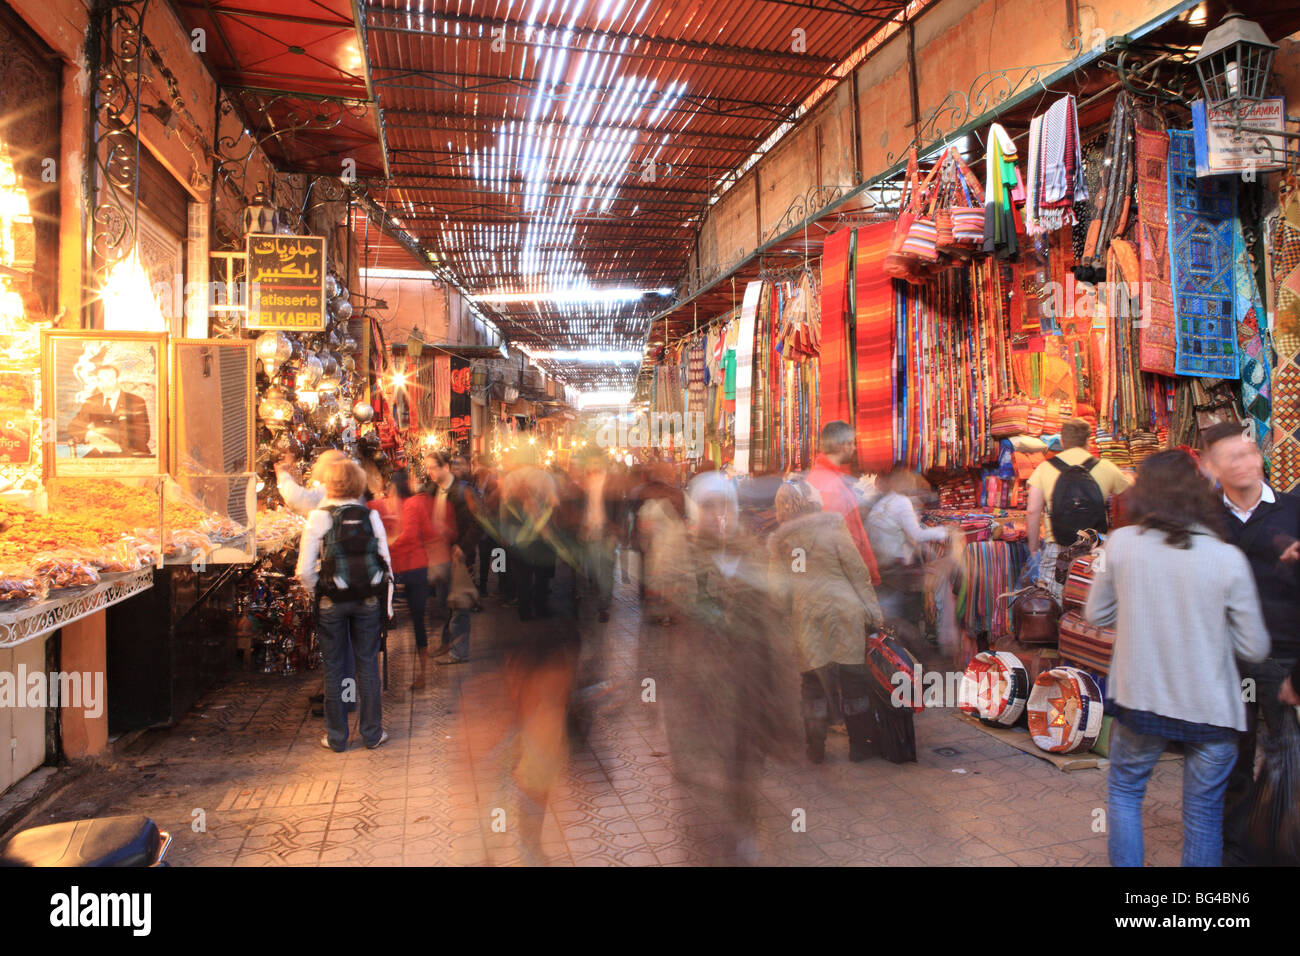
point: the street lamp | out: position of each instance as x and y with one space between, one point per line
1233 67
1234 61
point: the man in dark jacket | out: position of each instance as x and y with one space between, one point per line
1265 524
114 423
443 486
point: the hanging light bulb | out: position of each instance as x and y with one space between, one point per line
129 302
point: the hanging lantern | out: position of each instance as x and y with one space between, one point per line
259 215
330 374
1234 61
274 349
310 374
343 310
363 412
275 410
349 345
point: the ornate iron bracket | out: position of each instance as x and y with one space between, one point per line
117 75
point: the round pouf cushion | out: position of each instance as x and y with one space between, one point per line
1065 711
995 688
894 670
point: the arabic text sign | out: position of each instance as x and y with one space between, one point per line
286 282
1222 153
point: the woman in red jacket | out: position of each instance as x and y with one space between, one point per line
410 563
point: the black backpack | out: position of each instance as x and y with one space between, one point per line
351 567
1077 502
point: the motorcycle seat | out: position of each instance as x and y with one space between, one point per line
104 841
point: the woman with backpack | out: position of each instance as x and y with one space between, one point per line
344 561
1184 608
410 549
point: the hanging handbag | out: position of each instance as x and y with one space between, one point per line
913 251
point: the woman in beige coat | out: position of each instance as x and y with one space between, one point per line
823 589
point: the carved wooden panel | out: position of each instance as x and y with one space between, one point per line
30 79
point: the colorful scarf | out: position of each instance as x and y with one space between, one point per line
875 348
1202 212
834 399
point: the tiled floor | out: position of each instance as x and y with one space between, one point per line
243 780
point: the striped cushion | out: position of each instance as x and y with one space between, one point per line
1065 711
1085 645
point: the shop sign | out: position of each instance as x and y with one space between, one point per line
461 421
17 404
1217 152
286 283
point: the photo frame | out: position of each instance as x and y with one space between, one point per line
104 402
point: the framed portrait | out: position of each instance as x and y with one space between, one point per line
105 402
211 411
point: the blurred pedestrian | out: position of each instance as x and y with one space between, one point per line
409 548
1265 525
823 592
830 476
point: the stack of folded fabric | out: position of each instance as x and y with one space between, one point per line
1142 445
1114 449
959 493
1037 418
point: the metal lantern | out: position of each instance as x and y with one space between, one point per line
309 376
331 285
343 309
330 379
363 412
274 349
275 410
259 215
1234 61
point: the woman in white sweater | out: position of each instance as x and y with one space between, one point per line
1184 607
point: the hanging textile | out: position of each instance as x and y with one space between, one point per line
1255 385
442 386
1059 178
761 400
695 395
1156 337
874 297
1002 190
1112 202
1200 252
744 363
834 399
1285 473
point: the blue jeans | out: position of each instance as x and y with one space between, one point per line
359 621
415 585
1206 768
455 628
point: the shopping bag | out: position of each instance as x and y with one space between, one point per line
1273 826
462 594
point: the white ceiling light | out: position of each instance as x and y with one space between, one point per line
586 355
570 295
